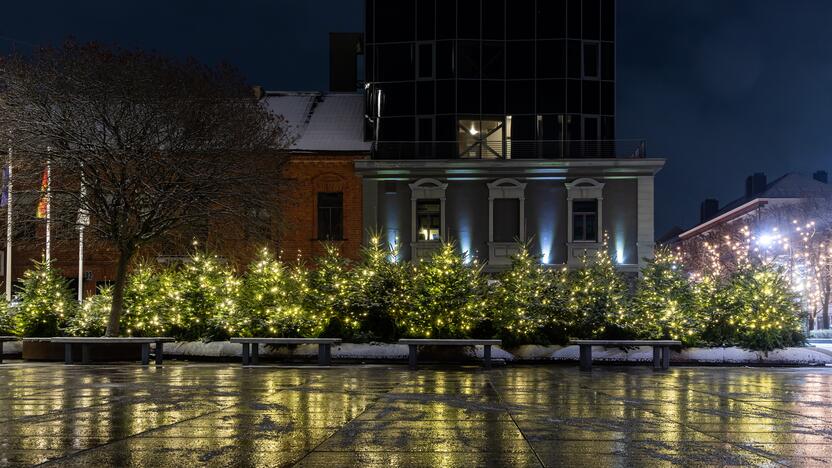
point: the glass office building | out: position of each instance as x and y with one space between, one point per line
490 79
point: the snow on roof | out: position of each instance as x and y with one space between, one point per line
790 185
322 121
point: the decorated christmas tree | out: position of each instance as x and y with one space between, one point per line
327 294
270 301
664 306
201 297
91 318
46 302
6 321
145 312
597 296
447 297
764 310
529 301
379 291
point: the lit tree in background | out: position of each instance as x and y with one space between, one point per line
447 296
46 303
379 290
795 236
144 300
270 301
597 294
328 292
664 306
6 321
531 301
201 297
91 318
764 311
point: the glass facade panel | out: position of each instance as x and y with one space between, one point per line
546 63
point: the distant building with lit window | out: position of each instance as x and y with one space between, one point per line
492 121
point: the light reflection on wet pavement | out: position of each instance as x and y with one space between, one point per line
224 415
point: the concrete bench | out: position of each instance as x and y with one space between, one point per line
86 343
253 357
4 339
413 348
661 350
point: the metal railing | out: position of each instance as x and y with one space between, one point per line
511 149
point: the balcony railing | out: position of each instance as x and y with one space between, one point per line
511 149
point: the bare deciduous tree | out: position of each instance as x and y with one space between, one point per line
157 144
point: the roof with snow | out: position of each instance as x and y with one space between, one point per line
322 121
791 185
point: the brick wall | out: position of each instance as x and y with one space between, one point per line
306 175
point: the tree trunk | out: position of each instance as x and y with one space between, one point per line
125 254
825 311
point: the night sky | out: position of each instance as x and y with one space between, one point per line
719 88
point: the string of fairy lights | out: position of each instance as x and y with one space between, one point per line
446 295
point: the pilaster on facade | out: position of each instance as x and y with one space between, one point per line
645 243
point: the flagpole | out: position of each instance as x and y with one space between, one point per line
9 230
81 263
82 222
48 207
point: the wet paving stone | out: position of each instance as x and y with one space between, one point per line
189 414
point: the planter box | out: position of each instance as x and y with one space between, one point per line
34 350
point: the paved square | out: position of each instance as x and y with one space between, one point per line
221 414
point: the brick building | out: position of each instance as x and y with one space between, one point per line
320 198
322 193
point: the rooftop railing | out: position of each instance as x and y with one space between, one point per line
511 149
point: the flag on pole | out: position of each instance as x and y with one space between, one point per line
4 198
44 195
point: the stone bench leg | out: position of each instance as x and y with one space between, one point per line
160 353
665 357
486 356
324 354
657 358
245 354
67 353
145 354
412 351
255 353
586 357
85 354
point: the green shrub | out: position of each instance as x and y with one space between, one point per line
378 293
763 309
6 319
529 302
447 298
326 296
91 318
145 310
46 302
664 306
597 297
270 301
199 296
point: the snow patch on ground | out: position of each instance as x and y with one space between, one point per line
386 351
11 347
